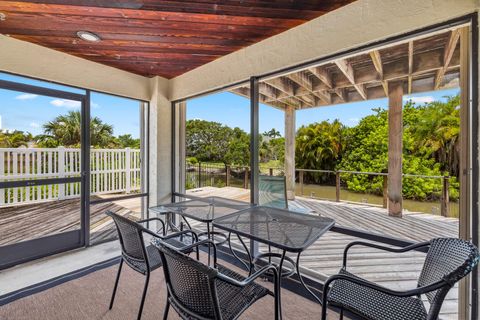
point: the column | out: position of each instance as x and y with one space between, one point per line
395 144
290 151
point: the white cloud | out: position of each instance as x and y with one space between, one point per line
34 125
26 96
62 103
419 100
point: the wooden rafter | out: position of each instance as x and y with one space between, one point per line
447 57
377 63
302 80
410 66
349 73
322 75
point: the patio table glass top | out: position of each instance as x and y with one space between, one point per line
202 209
283 229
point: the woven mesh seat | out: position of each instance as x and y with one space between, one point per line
196 291
378 306
141 258
448 260
272 192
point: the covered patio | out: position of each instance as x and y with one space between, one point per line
59 251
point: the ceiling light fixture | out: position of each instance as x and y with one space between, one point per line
88 36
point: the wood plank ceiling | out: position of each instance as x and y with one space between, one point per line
156 37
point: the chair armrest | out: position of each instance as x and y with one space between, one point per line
206 242
380 247
180 233
409 293
251 278
154 219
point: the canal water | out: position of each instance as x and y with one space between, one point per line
328 192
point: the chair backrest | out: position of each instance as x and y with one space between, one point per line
272 191
190 283
448 259
131 237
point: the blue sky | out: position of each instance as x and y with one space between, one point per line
234 110
20 111
27 112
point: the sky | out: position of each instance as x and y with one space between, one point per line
234 111
28 112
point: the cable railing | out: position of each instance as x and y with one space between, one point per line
337 185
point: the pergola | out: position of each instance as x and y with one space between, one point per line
419 65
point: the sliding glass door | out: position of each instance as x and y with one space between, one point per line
42 172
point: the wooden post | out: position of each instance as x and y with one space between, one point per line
445 196
385 191
199 174
290 151
2 174
245 179
227 175
128 167
300 178
395 144
61 172
337 186
270 170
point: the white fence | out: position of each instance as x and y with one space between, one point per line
111 171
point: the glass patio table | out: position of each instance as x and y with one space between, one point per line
204 210
279 228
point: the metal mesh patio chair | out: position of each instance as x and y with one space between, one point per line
272 192
141 258
448 260
199 291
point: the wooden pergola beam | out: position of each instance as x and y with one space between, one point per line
377 63
347 69
282 84
410 66
322 75
302 80
447 56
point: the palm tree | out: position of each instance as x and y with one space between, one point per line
65 130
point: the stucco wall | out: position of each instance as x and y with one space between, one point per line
362 22
39 62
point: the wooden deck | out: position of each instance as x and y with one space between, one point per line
396 271
27 222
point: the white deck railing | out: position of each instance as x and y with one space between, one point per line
112 171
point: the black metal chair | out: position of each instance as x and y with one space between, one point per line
448 260
141 258
199 291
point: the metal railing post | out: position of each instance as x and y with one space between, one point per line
245 180
227 175
445 196
270 171
199 175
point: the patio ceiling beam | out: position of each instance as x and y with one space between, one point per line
323 75
347 70
447 57
283 85
377 62
410 66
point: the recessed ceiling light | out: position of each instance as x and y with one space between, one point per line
88 36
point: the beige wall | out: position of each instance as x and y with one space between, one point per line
39 62
359 23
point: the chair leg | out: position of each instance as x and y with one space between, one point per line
341 314
143 296
167 308
116 285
